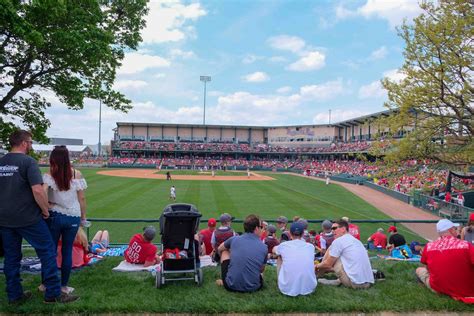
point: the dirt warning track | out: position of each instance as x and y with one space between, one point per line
151 174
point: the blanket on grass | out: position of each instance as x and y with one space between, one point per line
125 266
412 259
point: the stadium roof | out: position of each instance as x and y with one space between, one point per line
346 123
71 148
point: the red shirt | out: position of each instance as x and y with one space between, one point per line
354 231
450 262
139 250
380 240
206 239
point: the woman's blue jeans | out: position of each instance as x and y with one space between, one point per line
64 227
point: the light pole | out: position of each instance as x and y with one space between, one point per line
329 116
99 148
204 79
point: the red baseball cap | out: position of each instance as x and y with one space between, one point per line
471 217
392 229
211 222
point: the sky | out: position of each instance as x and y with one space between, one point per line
271 63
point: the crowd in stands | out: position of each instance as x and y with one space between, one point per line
359 146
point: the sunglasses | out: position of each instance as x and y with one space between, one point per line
335 227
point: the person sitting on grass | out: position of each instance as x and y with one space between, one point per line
221 234
100 242
243 259
377 240
295 264
347 258
449 264
140 249
271 240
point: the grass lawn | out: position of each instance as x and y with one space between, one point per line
104 291
202 173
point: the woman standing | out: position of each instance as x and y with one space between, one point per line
65 187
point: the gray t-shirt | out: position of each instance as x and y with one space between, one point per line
18 173
247 256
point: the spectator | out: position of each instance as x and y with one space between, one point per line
460 199
206 235
295 264
378 240
100 242
264 231
281 222
243 259
467 232
140 249
353 228
327 236
65 188
79 250
416 248
395 239
447 197
348 258
23 208
271 240
449 264
221 234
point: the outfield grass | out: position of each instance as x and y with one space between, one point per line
114 197
104 291
202 173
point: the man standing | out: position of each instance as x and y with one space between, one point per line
206 235
348 258
243 259
281 222
295 264
449 264
23 208
173 193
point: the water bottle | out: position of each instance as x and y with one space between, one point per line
85 223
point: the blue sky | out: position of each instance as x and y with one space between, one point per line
271 63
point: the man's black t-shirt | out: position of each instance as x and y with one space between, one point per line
18 173
397 240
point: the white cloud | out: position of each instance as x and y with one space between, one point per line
394 75
277 59
379 53
337 116
135 62
256 77
394 11
283 90
311 61
372 90
178 53
285 42
167 21
130 84
324 91
250 59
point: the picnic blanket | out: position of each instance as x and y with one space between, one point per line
115 251
125 266
206 261
412 259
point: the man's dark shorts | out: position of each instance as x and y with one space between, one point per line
225 269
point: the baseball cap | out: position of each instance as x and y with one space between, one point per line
271 229
282 219
297 228
392 229
326 224
471 217
211 222
225 218
304 222
149 232
445 224
345 218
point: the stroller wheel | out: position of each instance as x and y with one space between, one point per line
199 277
158 280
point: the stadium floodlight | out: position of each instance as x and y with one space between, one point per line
204 79
99 146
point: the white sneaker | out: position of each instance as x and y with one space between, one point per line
42 288
67 289
335 282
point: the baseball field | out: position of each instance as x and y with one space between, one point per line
112 197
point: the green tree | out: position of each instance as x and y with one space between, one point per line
435 99
71 48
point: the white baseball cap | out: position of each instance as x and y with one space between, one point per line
444 225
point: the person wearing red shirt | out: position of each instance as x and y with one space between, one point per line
449 264
140 249
447 197
206 235
378 240
353 228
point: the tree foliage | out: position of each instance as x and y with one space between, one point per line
70 48
435 99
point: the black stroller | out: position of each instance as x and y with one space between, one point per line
178 225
